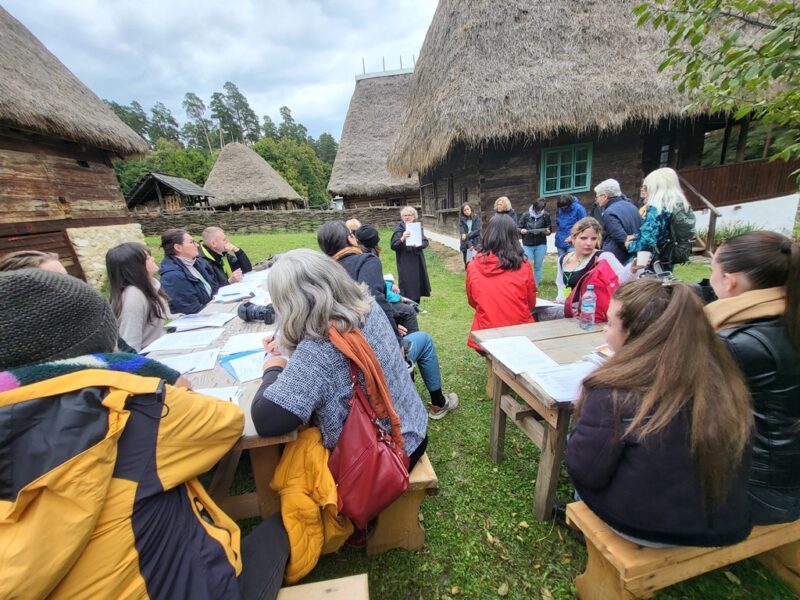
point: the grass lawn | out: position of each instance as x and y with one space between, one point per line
482 540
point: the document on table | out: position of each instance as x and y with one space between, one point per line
257 277
540 303
194 362
184 341
231 394
563 382
244 366
245 341
518 354
415 239
237 291
200 320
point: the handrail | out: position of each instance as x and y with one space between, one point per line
703 199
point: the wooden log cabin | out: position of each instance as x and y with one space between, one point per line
523 103
359 173
57 143
156 192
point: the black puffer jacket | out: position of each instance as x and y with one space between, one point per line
771 366
535 227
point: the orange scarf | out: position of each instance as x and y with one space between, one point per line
345 252
748 306
354 346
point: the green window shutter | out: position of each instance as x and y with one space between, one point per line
566 169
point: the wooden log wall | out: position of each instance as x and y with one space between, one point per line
397 200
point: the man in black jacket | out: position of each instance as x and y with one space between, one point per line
620 218
228 262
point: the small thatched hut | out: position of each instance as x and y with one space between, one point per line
58 191
525 100
241 178
156 191
359 172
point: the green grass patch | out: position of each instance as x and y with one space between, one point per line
481 534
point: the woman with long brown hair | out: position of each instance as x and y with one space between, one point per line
661 440
756 277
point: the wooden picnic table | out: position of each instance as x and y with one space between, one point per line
265 452
544 420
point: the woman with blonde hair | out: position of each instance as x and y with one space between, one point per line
661 453
756 277
411 267
502 206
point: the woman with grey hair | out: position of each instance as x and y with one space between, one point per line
322 316
411 267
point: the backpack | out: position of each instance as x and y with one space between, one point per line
677 247
605 281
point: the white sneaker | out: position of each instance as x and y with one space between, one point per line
450 403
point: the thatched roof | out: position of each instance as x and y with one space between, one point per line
503 70
145 188
369 129
39 94
240 176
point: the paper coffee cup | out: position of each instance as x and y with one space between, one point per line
643 258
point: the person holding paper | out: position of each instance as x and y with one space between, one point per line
411 268
661 453
139 303
186 277
228 263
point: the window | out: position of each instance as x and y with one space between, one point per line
566 169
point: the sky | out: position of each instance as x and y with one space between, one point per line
303 54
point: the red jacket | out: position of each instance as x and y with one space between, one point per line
500 297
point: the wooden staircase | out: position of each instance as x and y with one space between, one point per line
702 247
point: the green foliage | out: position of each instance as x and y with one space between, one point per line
729 230
240 109
226 122
132 115
269 129
289 129
162 124
762 141
170 158
299 165
326 148
738 56
197 131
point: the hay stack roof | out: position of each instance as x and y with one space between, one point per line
369 129
146 186
38 93
505 69
240 176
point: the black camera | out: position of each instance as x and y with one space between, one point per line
255 312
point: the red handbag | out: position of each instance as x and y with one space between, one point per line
370 470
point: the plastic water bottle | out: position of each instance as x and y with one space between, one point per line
588 305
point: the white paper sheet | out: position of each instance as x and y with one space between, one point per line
519 354
256 276
248 367
245 341
415 239
184 340
542 303
237 290
262 298
200 320
193 362
563 382
231 394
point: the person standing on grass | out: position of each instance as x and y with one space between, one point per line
469 229
411 268
500 285
620 218
534 227
568 212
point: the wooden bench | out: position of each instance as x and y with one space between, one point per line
398 525
345 588
619 569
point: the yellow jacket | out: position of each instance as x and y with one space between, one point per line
309 503
103 500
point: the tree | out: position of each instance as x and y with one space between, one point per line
269 128
239 107
735 56
298 165
289 129
196 111
226 122
162 124
326 148
132 115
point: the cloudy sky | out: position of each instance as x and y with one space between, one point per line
303 54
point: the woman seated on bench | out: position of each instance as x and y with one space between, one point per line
660 445
314 299
757 279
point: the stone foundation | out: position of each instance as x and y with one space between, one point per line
92 243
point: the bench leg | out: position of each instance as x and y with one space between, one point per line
398 525
785 563
600 580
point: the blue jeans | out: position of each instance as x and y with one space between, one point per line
423 353
535 256
563 251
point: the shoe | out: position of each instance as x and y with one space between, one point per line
450 403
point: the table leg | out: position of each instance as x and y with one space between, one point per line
497 433
550 457
223 475
265 460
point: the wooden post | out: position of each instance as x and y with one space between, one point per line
726 140
744 127
160 197
497 433
712 228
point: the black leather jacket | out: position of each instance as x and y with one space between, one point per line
771 366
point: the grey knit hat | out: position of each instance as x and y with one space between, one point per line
46 316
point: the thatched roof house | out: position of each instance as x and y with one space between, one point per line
525 99
359 172
165 192
240 177
58 191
